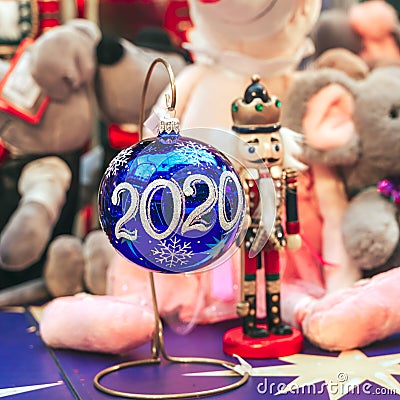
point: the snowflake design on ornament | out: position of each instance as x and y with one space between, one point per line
172 253
118 162
195 153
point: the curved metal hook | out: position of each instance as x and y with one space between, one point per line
171 100
158 348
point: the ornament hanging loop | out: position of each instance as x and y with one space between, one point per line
169 98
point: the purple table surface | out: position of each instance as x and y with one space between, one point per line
206 341
25 361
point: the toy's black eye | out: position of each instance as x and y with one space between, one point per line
252 149
394 112
277 147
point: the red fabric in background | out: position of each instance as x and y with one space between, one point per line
3 152
127 17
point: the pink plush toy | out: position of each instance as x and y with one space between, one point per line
232 40
377 24
342 119
369 29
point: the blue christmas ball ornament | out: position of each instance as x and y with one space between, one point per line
171 204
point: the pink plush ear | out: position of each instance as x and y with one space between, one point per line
374 19
328 122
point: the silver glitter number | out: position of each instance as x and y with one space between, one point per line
145 207
121 232
195 219
223 219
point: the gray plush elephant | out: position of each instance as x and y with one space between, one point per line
39 175
354 127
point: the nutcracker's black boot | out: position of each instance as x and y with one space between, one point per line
250 320
275 324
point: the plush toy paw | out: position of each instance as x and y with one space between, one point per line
64 267
356 316
72 265
98 253
370 238
367 250
104 324
25 237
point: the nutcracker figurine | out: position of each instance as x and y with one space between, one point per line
269 178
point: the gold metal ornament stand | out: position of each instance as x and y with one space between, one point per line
158 351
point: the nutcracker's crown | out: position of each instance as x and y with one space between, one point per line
256 108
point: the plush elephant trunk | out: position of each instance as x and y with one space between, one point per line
109 51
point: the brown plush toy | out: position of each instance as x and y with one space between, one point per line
44 127
74 265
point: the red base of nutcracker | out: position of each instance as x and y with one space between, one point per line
273 346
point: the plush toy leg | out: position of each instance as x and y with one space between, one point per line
64 266
72 266
356 316
340 270
26 293
105 324
25 237
370 240
98 253
42 185
297 302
